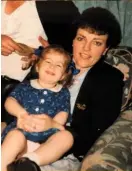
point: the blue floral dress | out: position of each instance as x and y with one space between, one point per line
39 101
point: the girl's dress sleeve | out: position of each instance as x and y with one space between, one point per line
65 103
18 92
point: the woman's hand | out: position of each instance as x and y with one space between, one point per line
8 45
44 122
22 118
25 122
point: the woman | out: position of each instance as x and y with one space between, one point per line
96 93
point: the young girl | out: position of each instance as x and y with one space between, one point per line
44 97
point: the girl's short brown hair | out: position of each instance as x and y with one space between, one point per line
60 50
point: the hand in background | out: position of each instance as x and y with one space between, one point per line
8 45
30 59
43 42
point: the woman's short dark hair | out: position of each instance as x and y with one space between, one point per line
100 21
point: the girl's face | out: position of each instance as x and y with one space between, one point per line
51 69
88 48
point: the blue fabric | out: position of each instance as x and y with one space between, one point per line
39 101
39 136
39 50
73 68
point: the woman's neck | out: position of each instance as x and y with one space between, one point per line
82 70
46 85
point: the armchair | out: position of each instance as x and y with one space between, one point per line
113 150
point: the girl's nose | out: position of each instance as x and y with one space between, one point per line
51 66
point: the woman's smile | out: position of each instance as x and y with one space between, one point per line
85 55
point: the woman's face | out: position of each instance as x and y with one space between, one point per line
88 48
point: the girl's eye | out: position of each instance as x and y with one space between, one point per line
79 38
48 62
97 43
59 66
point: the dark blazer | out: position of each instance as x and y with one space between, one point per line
97 106
56 18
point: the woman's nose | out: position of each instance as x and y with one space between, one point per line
87 46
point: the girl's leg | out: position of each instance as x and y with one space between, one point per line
52 149
14 143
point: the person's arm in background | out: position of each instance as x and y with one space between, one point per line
43 42
32 58
8 45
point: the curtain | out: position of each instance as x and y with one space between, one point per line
122 9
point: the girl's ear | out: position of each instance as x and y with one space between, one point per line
66 79
36 67
63 77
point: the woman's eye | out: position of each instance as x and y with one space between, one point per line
98 43
79 38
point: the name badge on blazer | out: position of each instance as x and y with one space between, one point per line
81 106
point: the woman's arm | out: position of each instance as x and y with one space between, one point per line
8 45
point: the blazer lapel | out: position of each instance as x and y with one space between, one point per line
85 93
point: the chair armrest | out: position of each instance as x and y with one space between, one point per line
113 150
